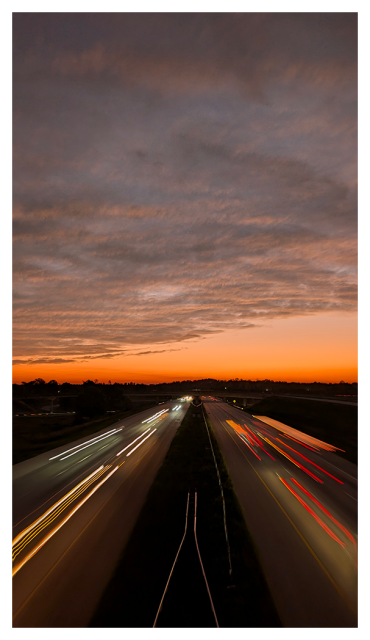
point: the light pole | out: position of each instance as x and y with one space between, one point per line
52 398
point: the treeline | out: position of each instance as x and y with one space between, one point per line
39 387
86 400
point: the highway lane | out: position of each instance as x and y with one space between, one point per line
303 521
78 513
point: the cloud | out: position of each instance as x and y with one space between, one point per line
145 353
199 177
42 361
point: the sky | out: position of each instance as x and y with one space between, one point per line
185 196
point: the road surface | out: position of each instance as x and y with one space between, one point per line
300 506
73 511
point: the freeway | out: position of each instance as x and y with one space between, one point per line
73 511
299 500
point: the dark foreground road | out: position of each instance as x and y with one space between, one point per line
73 511
303 520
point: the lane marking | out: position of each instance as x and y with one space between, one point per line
58 474
79 462
173 566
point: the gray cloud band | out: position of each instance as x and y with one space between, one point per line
191 190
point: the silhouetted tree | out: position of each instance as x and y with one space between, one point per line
91 402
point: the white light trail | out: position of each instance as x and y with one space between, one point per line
34 524
156 417
86 441
131 443
159 413
44 541
90 445
140 443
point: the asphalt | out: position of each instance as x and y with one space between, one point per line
62 583
309 559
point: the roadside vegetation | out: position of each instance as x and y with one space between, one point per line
132 597
332 423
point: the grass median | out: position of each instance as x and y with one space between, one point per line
133 595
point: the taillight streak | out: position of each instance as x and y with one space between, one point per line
348 534
310 461
305 505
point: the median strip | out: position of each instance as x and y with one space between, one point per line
132 596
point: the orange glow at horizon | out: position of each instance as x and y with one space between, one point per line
320 348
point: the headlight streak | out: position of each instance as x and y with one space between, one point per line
307 459
54 531
297 464
86 441
90 445
156 415
345 531
56 493
131 443
140 443
23 538
305 505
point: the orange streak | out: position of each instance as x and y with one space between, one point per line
285 435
